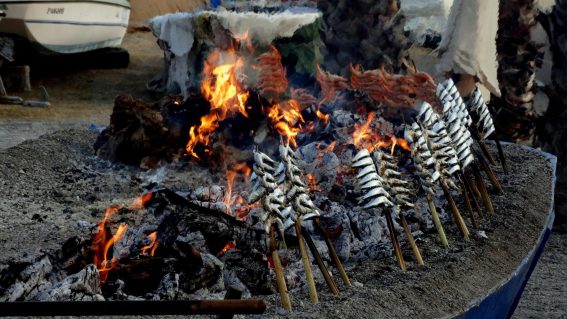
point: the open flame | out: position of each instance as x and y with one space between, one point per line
287 119
364 136
141 201
150 249
101 244
236 169
224 91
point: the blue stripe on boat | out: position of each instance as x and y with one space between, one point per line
103 24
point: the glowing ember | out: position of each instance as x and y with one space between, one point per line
101 244
150 249
222 89
312 183
323 117
330 148
229 246
141 201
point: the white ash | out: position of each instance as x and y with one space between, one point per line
82 286
168 288
30 281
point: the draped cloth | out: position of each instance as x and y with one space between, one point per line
468 44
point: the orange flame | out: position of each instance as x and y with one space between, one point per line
365 137
231 245
152 246
101 244
323 117
231 173
222 89
312 183
287 119
141 201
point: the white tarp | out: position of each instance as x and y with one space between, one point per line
424 16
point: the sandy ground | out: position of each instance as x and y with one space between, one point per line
81 98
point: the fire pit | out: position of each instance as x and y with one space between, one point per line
248 185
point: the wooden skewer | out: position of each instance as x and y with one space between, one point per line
437 221
474 189
320 263
395 242
468 205
493 180
332 252
502 157
455 211
480 139
280 277
482 189
468 184
487 152
412 243
306 264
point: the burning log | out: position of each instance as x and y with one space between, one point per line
139 133
445 157
266 189
376 196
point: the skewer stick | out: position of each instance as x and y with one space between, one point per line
332 252
395 242
493 180
320 263
306 264
501 155
479 138
468 205
469 186
482 189
412 243
472 185
280 277
455 211
437 221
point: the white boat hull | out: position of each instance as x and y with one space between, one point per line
67 26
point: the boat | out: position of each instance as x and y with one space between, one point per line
66 26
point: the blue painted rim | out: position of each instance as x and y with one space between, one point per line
501 302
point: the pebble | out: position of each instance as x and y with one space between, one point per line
357 284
